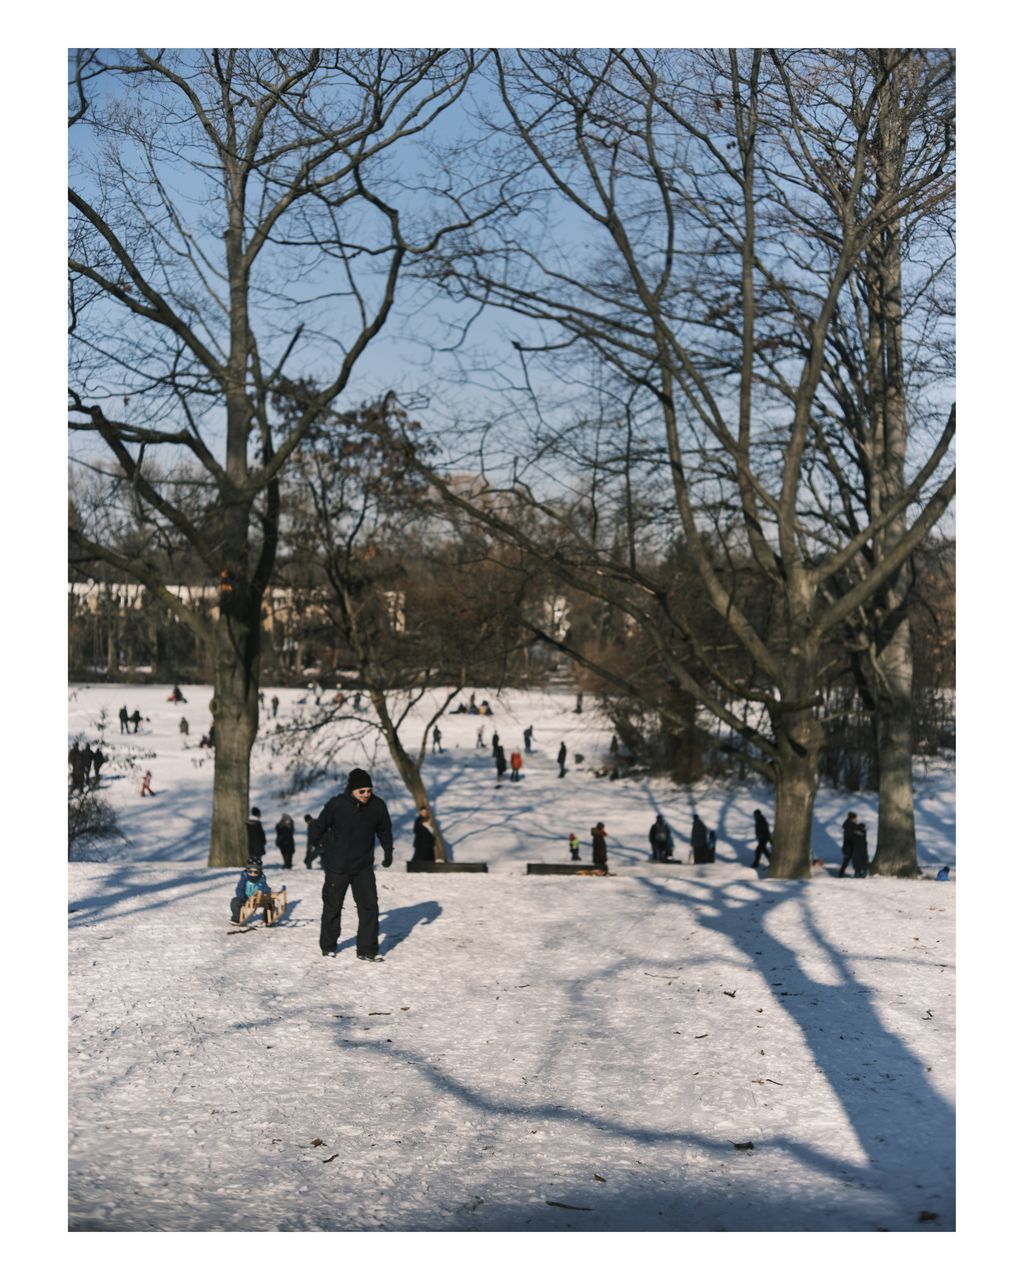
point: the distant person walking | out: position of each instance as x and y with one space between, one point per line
528 739
98 761
859 851
284 838
135 718
698 841
849 826
146 789
661 840
480 736
562 753
598 836
311 844
574 847
122 716
275 702
423 837
256 837
435 744
183 727
349 824
516 761
763 832
499 762
494 743
86 759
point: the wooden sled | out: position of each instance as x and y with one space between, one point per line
271 904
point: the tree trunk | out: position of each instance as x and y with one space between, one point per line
896 851
799 739
891 672
408 769
235 710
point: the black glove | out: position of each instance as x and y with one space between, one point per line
389 857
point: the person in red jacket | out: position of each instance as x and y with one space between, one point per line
516 761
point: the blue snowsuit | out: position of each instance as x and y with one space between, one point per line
246 887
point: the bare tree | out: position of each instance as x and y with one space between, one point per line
876 387
410 610
732 203
237 220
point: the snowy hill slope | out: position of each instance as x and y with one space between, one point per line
536 1054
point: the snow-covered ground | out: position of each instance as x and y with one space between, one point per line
667 1049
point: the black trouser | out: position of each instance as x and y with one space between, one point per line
364 891
762 847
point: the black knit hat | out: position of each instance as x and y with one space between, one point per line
358 778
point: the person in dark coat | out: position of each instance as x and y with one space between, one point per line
284 838
136 718
699 840
598 835
77 767
528 739
763 832
86 759
122 716
499 762
312 851
661 840
183 726
98 760
859 850
562 753
494 744
256 836
435 744
348 825
275 702
849 826
422 837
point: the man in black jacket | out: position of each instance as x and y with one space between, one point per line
346 829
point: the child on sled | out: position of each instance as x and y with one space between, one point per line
251 883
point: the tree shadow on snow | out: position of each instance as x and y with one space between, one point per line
840 1024
897 1142
121 885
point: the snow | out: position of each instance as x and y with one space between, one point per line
559 1055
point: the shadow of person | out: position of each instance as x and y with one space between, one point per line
399 922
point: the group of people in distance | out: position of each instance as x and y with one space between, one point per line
124 719
85 763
